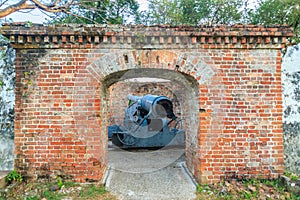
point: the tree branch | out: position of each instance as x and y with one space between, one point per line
49 8
22 5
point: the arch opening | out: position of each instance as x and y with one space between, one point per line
180 88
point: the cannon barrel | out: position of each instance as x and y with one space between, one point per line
133 98
157 106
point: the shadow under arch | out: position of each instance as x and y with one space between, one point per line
188 96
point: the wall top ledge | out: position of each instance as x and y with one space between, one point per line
24 33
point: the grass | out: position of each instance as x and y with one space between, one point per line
37 191
250 189
292 176
92 192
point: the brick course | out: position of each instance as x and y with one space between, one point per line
229 90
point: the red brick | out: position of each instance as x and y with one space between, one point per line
65 104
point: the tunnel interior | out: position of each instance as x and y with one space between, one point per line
181 90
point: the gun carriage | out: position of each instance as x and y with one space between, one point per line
146 124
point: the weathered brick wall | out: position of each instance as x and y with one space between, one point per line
249 134
231 94
57 116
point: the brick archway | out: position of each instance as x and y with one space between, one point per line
115 66
231 73
187 92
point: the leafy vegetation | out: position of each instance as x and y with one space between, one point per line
185 12
246 189
270 12
292 176
93 191
59 182
14 176
101 12
196 12
55 191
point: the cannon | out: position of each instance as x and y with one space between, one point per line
147 124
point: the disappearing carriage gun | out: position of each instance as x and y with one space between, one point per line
146 124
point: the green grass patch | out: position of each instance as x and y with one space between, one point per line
246 189
50 195
92 191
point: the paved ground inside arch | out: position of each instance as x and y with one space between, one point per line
149 174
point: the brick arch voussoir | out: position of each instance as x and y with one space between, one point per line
197 65
111 62
191 64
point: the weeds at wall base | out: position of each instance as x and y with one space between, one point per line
54 190
247 189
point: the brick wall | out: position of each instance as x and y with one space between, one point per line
57 117
227 80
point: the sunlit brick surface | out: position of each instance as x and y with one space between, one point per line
227 82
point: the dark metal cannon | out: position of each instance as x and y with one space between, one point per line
146 124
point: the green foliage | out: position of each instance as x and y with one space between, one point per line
33 198
27 81
14 176
201 188
184 12
93 191
3 55
226 12
100 12
193 12
287 173
50 195
59 182
294 178
28 24
161 12
271 12
69 184
291 175
42 190
255 188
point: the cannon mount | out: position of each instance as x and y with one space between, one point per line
146 124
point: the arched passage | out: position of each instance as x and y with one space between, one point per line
186 68
181 86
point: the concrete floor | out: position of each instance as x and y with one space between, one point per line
3 175
149 174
